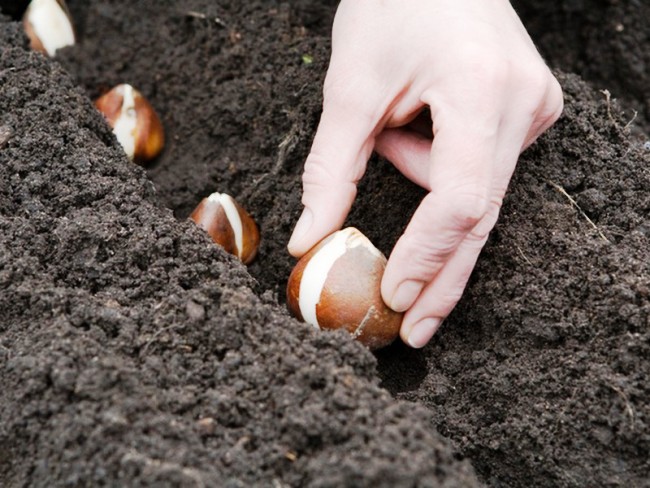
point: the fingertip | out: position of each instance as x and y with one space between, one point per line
419 334
299 241
397 289
312 227
404 295
404 331
387 287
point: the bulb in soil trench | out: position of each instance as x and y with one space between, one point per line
337 284
134 122
48 25
229 225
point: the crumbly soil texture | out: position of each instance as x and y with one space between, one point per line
134 352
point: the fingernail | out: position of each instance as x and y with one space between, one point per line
302 227
405 295
422 332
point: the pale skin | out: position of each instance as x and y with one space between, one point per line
490 96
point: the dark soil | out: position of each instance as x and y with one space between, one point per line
604 41
135 352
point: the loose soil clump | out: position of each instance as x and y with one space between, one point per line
134 351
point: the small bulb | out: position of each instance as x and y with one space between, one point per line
134 122
229 225
337 284
48 25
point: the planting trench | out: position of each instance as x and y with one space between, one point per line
135 352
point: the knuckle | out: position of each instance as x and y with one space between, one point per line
334 89
479 234
535 80
444 301
449 300
348 93
468 206
542 94
556 105
551 107
322 183
424 255
486 66
319 171
316 170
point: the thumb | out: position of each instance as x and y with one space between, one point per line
343 143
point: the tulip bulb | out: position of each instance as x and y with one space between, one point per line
134 122
48 25
337 285
229 225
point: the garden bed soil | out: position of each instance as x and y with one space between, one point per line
135 352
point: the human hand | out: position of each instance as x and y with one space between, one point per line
490 96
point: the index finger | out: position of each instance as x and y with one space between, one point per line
462 160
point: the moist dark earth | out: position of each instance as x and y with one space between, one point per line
134 352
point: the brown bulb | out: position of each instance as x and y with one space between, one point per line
337 284
48 25
229 225
134 122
